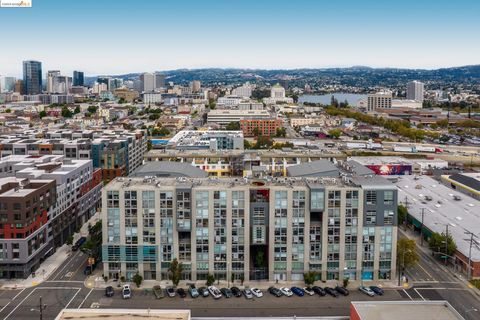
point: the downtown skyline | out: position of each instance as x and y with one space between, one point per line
114 38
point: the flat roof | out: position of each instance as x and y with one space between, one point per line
169 169
313 168
471 180
405 310
442 209
123 314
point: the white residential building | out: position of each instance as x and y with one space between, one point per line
415 90
381 99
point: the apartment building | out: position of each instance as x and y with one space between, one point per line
24 238
207 139
77 187
251 229
116 152
263 127
381 99
225 116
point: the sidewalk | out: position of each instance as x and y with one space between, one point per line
48 267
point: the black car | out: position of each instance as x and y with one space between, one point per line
378 291
109 291
331 292
181 292
342 290
275 291
236 292
203 292
79 243
319 291
226 292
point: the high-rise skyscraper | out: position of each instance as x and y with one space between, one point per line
32 77
148 81
51 80
195 86
7 84
415 90
159 80
78 78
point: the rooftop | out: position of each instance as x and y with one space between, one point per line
168 169
123 314
313 168
461 215
401 310
471 180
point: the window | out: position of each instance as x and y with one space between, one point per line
388 217
388 197
371 197
317 200
371 217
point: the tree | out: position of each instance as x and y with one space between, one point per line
137 279
121 100
8 110
335 133
442 123
69 241
247 144
92 109
242 278
309 277
402 213
77 110
211 104
154 116
66 113
256 132
407 252
210 280
437 243
176 269
263 143
234 125
281 132
149 145
42 114
345 282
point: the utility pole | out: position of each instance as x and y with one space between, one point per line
421 228
472 242
41 308
446 244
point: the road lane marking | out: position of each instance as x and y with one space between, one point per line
428 273
78 290
419 294
63 281
18 305
85 298
18 294
61 270
407 294
458 289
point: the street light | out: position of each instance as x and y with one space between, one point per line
40 309
477 245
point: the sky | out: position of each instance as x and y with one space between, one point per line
116 37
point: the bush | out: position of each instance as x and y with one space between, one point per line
137 279
345 282
210 280
309 277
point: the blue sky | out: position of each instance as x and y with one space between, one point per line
113 37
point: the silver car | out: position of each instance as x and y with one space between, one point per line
248 293
367 291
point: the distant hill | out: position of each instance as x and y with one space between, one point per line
361 76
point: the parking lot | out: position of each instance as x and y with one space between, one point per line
267 305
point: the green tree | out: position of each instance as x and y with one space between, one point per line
210 280
77 110
176 269
442 123
437 243
281 132
69 241
42 114
8 110
247 144
256 132
234 125
121 100
309 277
407 252
149 145
211 104
263 143
137 279
402 213
335 133
242 278
92 109
66 113
154 116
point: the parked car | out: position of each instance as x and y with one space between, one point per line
377 290
286 292
79 243
319 291
248 293
171 292
236 292
109 291
126 291
257 292
193 291
298 291
331 292
309 291
215 292
342 290
203 291
158 292
181 292
366 290
226 292
275 291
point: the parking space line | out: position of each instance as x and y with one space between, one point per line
83 301
419 294
407 294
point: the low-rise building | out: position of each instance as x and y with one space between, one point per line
224 117
209 139
263 127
